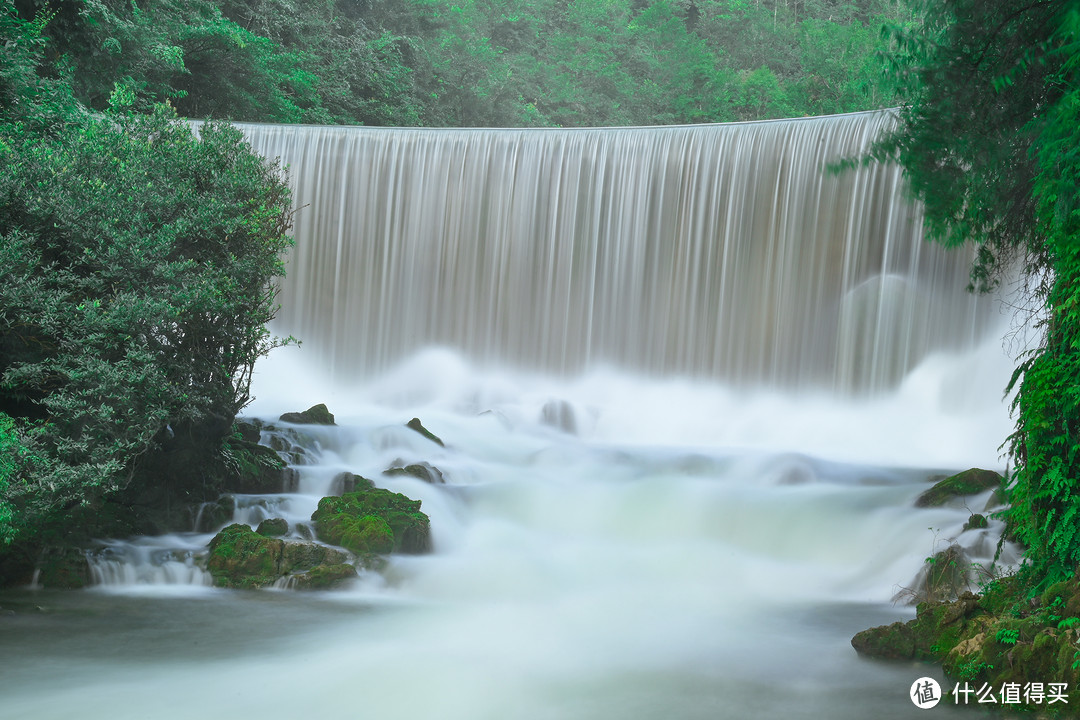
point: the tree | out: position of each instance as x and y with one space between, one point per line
989 143
136 260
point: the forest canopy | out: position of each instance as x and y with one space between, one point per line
475 62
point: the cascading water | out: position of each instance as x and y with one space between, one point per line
690 387
725 252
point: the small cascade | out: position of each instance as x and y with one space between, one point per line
174 559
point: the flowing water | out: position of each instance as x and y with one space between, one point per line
690 387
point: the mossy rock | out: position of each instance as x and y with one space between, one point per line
314 415
415 424
998 638
347 482
977 521
889 642
946 575
421 471
240 557
250 430
351 521
325 577
300 556
968 482
937 628
273 527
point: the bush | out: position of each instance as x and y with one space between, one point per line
136 261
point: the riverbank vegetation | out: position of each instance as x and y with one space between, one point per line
989 140
135 267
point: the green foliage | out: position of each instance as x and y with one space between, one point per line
974 75
136 262
990 143
474 62
1006 636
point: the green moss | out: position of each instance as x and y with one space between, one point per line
977 521
240 557
324 577
350 521
968 482
273 527
314 415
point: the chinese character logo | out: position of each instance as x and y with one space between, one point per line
925 693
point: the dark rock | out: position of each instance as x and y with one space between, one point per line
273 527
314 415
969 482
63 568
210 516
976 522
414 424
250 430
890 642
260 470
324 577
559 414
347 482
421 471
373 521
302 556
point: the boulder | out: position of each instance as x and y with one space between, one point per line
273 527
242 558
414 424
314 415
373 521
968 482
421 471
977 521
347 482
324 577
559 414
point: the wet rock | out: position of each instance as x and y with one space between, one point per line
559 414
241 558
273 527
421 471
976 522
347 482
945 576
250 430
373 521
890 642
314 415
324 577
414 424
302 556
968 482
261 471
210 516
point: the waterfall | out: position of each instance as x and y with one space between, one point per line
726 252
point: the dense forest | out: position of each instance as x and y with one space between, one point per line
477 62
